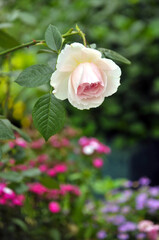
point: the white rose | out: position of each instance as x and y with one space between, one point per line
84 77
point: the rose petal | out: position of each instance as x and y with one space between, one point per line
72 55
113 73
59 81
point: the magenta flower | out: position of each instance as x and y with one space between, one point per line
37 188
43 167
60 168
21 142
54 207
51 172
98 162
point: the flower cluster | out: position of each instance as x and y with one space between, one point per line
41 190
92 145
9 197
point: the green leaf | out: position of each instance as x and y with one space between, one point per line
113 55
53 38
35 76
20 224
49 182
48 115
33 172
6 130
22 134
21 188
55 234
11 176
7 41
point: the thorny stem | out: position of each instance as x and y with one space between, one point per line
34 42
71 32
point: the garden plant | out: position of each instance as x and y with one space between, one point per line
52 178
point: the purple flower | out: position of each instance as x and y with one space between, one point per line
128 184
152 204
140 236
101 234
154 191
144 181
141 201
127 226
116 220
123 236
125 209
126 195
110 208
119 219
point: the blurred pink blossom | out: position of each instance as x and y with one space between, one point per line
42 158
54 207
37 188
152 232
37 144
98 162
43 168
60 168
143 225
21 142
51 172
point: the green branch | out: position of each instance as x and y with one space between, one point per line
34 42
71 32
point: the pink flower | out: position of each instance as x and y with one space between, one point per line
103 149
21 167
43 168
2 186
88 150
54 207
84 77
83 141
51 172
91 145
53 193
12 161
32 163
18 200
60 168
37 188
98 162
143 225
65 142
38 143
3 201
21 142
65 188
42 158
152 232
55 141
11 144
8 193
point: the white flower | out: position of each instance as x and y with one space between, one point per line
84 77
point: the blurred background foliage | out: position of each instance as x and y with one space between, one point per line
130 27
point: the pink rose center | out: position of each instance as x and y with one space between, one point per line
87 81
